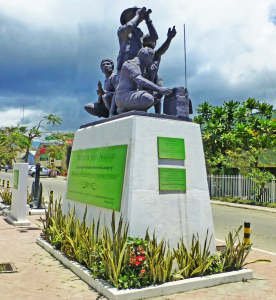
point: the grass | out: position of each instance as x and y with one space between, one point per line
243 201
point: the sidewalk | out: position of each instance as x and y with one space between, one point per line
40 276
244 206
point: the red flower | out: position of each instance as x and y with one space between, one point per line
137 263
143 271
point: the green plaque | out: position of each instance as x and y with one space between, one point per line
15 179
171 148
172 179
96 176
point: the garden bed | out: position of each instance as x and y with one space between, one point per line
153 291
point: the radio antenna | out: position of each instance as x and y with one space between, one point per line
185 57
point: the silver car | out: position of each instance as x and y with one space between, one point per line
43 171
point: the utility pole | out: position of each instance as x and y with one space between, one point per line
185 57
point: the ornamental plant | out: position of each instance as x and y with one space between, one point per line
127 262
6 196
136 272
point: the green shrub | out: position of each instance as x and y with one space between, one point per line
128 262
234 257
6 196
244 201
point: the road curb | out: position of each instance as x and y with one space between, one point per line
244 206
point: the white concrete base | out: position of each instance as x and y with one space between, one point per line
161 290
37 211
19 207
175 214
27 209
3 206
15 222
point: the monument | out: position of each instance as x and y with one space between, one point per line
19 206
149 167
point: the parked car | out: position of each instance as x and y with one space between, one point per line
43 171
31 166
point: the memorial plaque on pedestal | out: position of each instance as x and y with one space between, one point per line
96 176
171 148
15 179
172 179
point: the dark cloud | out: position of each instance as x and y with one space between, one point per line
57 71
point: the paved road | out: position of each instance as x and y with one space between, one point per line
263 225
49 184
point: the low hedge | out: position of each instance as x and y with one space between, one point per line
244 201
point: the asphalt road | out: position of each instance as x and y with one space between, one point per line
49 184
263 225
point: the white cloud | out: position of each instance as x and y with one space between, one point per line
13 117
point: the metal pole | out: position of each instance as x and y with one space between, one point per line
185 56
51 197
246 235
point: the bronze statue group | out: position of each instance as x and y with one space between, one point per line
136 86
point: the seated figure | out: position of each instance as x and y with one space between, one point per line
101 108
127 96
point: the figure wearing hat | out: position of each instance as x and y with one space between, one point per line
131 39
130 36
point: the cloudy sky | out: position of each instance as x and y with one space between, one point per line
50 53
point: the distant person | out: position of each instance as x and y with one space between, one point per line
6 168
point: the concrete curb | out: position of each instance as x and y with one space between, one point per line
161 290
3 206
244 206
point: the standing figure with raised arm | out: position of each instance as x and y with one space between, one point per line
131 38
101 107
152 72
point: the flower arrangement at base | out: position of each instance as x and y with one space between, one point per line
136 273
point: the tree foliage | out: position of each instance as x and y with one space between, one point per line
40 129
20 138
237 135
12 140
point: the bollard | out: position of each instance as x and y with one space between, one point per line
8 184
246 236
51 198
3 183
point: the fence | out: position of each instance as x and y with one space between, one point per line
238 186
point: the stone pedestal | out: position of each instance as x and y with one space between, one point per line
19 195
176 214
